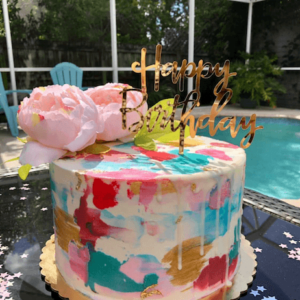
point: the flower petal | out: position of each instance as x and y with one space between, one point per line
35 154
86 137
112 120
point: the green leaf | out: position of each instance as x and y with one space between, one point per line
24 171
157 129
13 159
145 142
172 136
162 135
24 140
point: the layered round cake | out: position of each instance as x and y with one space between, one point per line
134 224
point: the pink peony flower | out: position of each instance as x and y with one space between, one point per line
57 119
109 101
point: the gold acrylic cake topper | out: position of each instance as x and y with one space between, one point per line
187 70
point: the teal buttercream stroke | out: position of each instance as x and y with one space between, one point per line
167 222
104 270
52 185
188 163
131 223
62 195
53 189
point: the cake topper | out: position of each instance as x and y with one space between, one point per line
187 70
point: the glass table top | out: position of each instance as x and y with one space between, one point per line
26 224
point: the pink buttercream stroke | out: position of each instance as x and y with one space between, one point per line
194 198
79 259
224 145
225 193
147 192
126 174
214 153
136 269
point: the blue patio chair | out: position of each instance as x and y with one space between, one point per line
67 73
10 111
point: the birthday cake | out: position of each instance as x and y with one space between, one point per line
143 207
132 223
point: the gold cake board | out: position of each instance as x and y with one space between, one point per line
242 279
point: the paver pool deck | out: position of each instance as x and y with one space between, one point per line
10 147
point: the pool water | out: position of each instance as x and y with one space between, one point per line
273 159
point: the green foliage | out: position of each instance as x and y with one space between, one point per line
74 21
291 58
141 22
17 24
24 171
145 142
212 22
220 25
145 22
256 78
13 159
144 138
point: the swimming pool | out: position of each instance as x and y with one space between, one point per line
273 159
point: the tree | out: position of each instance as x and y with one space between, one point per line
220 25
17 24
147 22
75 21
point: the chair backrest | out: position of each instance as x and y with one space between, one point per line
3 98
67 73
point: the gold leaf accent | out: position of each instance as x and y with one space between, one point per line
145 294
209 169
193 186
188 142
192 261
66 229
135 187
70 154
179 219
79 180
95 149
167 187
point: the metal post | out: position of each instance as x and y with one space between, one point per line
249 27
9 50
113 28
191 38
